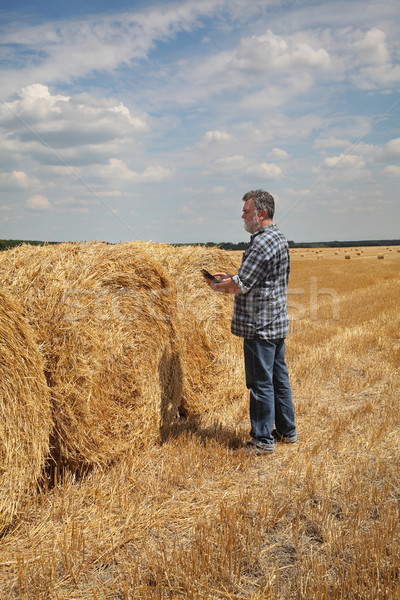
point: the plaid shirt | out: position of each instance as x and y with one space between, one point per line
260 310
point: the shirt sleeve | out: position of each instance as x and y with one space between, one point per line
240 284
253 267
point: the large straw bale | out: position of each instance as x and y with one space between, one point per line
101 314
210 356
25 420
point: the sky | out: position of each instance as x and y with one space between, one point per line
147 120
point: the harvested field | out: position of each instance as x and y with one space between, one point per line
25 422
195 518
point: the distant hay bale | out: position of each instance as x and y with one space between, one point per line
347 256
25 420
210 356
381 256
102 316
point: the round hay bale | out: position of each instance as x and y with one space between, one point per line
210 356
25 421
347 257
102 315
381 256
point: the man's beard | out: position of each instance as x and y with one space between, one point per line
251 226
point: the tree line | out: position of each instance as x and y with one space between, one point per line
7 244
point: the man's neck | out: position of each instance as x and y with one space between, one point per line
263 224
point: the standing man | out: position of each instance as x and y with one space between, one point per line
260 317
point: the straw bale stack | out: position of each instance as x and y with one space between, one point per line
210 356
101 315
25 421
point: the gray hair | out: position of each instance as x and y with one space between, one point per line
262 200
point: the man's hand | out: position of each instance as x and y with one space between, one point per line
225 286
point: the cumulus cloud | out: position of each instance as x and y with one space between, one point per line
278 154
16 180
155 173
392 170
375 63
71 132
372 48
381 153
216 136
67 120
389 151
330 142
265 171
344 161
118 170
38 203
228 164
276 53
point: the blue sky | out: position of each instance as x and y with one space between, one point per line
150 120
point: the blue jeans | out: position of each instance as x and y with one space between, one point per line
267 379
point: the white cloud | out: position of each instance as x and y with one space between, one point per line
40 115
265 171
67 132
38 202
271 97
375 62
20 178
155 173
392 170
216 136
372 48
278 154
344 161
118 171
381 153
273 52
330 142
16 180
33 106
230 163
390 150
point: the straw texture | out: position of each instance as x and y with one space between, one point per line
102 316
25 411
212 375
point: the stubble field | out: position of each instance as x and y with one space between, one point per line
193 517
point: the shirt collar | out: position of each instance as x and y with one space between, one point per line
253 235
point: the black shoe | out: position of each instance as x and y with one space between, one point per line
259 448
286 439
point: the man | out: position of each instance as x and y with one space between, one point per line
260 317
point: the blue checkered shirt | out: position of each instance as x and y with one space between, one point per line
260 309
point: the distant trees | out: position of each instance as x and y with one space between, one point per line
6 244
